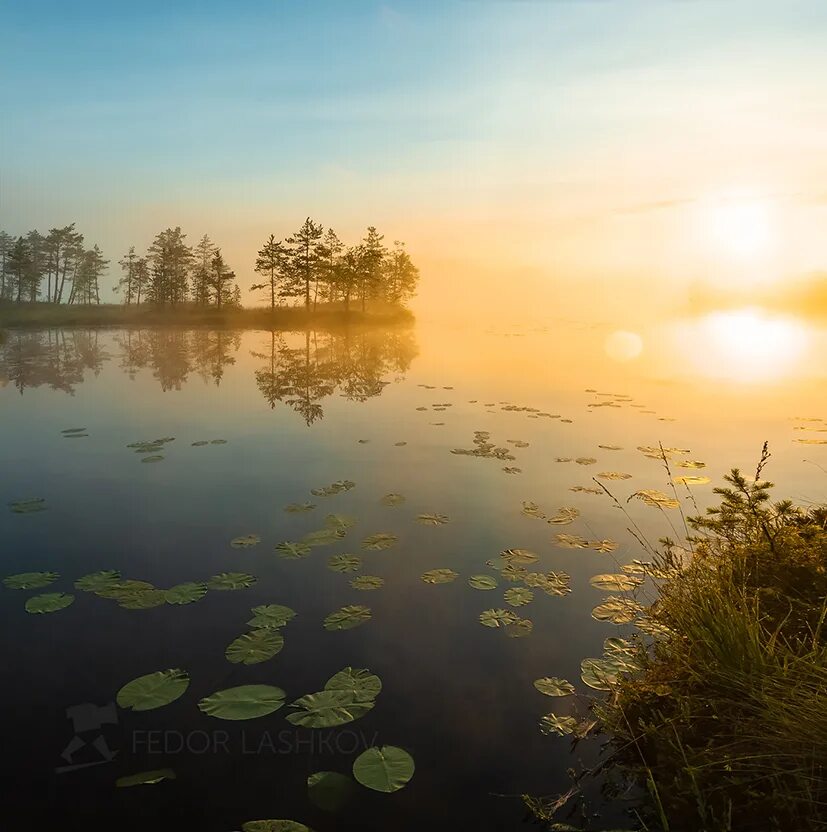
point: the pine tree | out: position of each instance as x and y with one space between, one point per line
203 254
330 252
18 264
272 264
127 283
304 256
401 276
372 258
169 259
221 279
6 244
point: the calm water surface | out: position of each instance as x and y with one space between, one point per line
298 412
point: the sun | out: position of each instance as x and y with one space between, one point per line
739 225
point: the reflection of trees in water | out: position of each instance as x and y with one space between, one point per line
303 373
298 369
57 358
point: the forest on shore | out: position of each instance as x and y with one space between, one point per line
309 268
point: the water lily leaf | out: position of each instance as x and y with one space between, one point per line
271 616
48 602
691 463
143 599
531 509
554 724
614 475
339 521
510 469
293 551
218 442
498 618
367 582
484 582
200 443
604 546
552 583
243 702
520 628
692 480
328 708
145 778
619 582
271 825
552 686
347 617
329 790
384 769
519 556
617 610
583 489
73 431
120 590
392 500
334 488
30 580
255 647
400 444
655 499
432 519
323 537
245 541
379 541
566 515
231 580
186 593
344 563
518 596
439 576
296 508
153 690
571 541
585 460
610 447
30 505
97 580
153 458
599 674
360 683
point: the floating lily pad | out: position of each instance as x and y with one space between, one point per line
617 610
271 616
583 489
30 580
143 599
245 541
271 825
218 442
255 647
323 537
392 500
96 581
552 583
335 488
30 505
328 708
400 444
118 590
153 458
483 582
432 519
145 778
243 702
520 628
339 521
73 431
619 582
379 541
519 556
552 686
655 499
186 593
614 475
571 541
367 582
691 463
231 580
610 447
585 460
153 690
360 683
566 515
439 576
200 443
293 551
344 563
48 602
554 724
692 480
518 596
384 769
498 618
604 546
329 790
347 617
297 508
599 674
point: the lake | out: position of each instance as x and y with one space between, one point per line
171 456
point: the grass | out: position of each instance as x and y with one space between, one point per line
725 724
330 316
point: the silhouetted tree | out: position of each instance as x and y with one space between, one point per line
304 260
272 264
169 259
221 279
203 254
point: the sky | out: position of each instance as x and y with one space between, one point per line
538 158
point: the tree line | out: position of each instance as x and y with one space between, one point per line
311 266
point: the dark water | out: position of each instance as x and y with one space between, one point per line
292 409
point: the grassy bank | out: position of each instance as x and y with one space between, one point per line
725 723
325 316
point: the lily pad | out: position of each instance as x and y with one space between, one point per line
498 618
617 610
432 519
328 708
392 499
153 690
359 682
271 616
520 628
271 825
334 488
519 556
571 541
186 593
243 702
618 582
552 686
655 499
245 541
347 617
293 551
73 431
599 674
48 602
226 581
566 515
367 582
145 778
384 769
339 521
153 458
144 599
122 589
484 582
323 537
379 541
329 790
604 546
344 563
298 508
554 724
439 576
518 596
96 581
692 480
255 647
614 475
30 580
30 505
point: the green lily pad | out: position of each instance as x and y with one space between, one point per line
153 458
339 521
384 769
145 778
617 610
379 541
73 431
552 686
199 443
367 582
439 576
525 556
360 683
619 582
30 580
328 708
271 616
324 537
122 589
484 582
392 500
243 702
218 441
298 508
153 690
329 790
293 551
518 596
344 563
49 602
554 724
520 628
334 488
498 618
186 593
245 541
255 647
96 581
144 599
432 519
571 541
599 674
271 825
347 617
231 580
30 505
